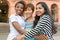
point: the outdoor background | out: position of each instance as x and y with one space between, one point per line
7 9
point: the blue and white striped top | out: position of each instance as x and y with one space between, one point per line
28 26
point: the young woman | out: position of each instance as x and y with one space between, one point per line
43 23
16 21
29 17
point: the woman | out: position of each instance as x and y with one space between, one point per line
16 21
43 23
29 16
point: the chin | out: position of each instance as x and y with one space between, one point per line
18 13
38 15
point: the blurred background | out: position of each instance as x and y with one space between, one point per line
7 8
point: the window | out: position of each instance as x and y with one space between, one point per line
3 11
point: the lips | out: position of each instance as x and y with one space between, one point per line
38 12
18 11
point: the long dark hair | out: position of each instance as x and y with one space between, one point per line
47 12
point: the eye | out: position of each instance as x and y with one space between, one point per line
39 7
17 7
21 7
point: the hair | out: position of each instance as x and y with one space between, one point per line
47 12
21 2
53 5
31 6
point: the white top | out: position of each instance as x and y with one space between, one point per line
13 32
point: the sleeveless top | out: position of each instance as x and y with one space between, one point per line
28 26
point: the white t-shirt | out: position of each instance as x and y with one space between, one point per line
13 32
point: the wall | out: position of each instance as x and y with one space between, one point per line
11 4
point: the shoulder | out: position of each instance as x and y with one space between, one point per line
12 16
45 16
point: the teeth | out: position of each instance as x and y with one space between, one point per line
18 11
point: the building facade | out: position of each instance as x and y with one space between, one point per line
7 7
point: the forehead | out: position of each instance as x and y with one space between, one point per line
19 4
28 7
39 5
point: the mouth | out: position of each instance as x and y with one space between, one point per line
38 12
18 11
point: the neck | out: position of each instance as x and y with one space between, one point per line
19 14
29 18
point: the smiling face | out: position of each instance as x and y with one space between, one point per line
19 8
39 10
28 12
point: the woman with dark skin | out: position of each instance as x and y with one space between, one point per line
43 23
16 21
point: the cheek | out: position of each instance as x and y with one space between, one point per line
15 8
42 11
30 12
21 9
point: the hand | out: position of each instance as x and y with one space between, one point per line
19 37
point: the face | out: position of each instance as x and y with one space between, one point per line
39 10
19 8
28 12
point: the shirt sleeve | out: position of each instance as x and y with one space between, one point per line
41 23
12 19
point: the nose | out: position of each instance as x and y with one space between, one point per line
38 10
19 8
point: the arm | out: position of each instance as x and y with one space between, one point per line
18 28
16 25
39 27
42 25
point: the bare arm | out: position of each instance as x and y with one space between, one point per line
18 28
42 25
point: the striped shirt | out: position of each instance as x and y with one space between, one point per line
28 25
44 26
